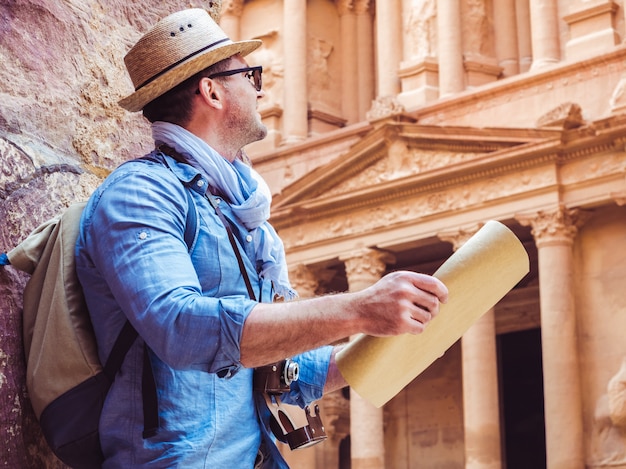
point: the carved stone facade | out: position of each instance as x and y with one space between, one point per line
396 128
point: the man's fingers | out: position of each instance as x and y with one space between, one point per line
432 285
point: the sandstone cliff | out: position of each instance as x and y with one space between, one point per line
61 131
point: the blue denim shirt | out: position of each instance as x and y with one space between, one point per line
189 307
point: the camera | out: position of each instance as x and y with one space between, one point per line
274 380
277 377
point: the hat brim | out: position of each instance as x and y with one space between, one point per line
137 100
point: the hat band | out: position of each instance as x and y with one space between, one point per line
176 64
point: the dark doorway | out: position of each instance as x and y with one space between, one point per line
345 461
521 397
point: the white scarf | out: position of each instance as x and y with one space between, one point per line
249 196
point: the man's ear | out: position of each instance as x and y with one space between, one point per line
211 93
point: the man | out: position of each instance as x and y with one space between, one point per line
204 329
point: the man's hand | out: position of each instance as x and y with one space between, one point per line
400 302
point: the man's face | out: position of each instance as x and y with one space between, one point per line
242 117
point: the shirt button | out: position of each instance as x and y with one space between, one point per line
143 235
200 183
249 238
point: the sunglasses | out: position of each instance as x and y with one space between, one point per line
251 73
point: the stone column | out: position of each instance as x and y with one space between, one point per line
554 234
522 13
449 40
363 268
544 27
505 26
230 20
481 410
389 46
349 63
365 55
295 121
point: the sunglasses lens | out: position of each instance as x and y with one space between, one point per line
258 82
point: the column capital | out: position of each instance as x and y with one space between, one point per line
232 7
363 7
303 280
307 280
459 237
345 7
366 264
555 227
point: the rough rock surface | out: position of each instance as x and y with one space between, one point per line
61 131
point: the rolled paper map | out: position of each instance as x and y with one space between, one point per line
478 275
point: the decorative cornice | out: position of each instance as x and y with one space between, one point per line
375 145
432 181
505 88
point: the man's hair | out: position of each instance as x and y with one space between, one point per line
175 105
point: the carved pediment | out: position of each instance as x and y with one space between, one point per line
395 153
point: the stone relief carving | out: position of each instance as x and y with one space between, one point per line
384 106
616 391
270 58
567 116
618 99
402 160
609 424
420 30
318 76
476 29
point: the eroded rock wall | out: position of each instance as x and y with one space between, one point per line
61 132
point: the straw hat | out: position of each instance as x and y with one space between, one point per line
177 47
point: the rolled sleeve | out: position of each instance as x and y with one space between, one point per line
313 372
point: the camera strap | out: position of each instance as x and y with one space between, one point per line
215 203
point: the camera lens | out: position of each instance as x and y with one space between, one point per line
291 372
